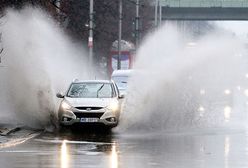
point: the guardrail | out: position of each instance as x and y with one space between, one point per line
205 3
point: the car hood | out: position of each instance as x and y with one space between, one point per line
89 102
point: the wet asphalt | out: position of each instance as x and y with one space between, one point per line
78 149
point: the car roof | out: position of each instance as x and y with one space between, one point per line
92 81
126 72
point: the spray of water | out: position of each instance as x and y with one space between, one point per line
178 85
39 60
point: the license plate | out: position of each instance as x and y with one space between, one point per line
88 120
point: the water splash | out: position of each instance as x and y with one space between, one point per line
180 85
39 60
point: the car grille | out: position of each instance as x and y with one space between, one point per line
87 108
88 115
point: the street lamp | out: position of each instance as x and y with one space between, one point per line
137 24
160 13
156 13
90 40
120 34
158 9
1 48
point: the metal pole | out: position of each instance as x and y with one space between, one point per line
160 13
137 24
156 14
120 34
90 42
1 48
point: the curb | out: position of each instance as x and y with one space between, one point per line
18 141
8 131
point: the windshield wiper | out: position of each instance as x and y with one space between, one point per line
99 90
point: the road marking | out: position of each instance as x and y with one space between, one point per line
74 142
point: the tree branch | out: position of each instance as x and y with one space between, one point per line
53 3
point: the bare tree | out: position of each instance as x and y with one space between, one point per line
105 22
19 5
74 18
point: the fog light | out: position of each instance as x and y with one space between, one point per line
111 119
65 119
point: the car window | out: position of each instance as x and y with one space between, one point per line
121 82
90 90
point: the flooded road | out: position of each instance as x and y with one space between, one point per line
212 149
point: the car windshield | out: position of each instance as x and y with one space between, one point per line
90 90
121 82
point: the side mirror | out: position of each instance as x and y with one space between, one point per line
60 95
121 96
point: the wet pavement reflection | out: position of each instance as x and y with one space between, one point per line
212 149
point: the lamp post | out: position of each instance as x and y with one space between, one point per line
1 48
120 34
90 40
160 13
156 14
137 24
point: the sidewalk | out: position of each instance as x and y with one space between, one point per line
14 135
7 130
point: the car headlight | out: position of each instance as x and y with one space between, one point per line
65 105
113 106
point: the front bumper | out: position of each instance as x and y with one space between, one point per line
104 117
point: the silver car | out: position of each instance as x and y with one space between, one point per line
121 78
90 102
